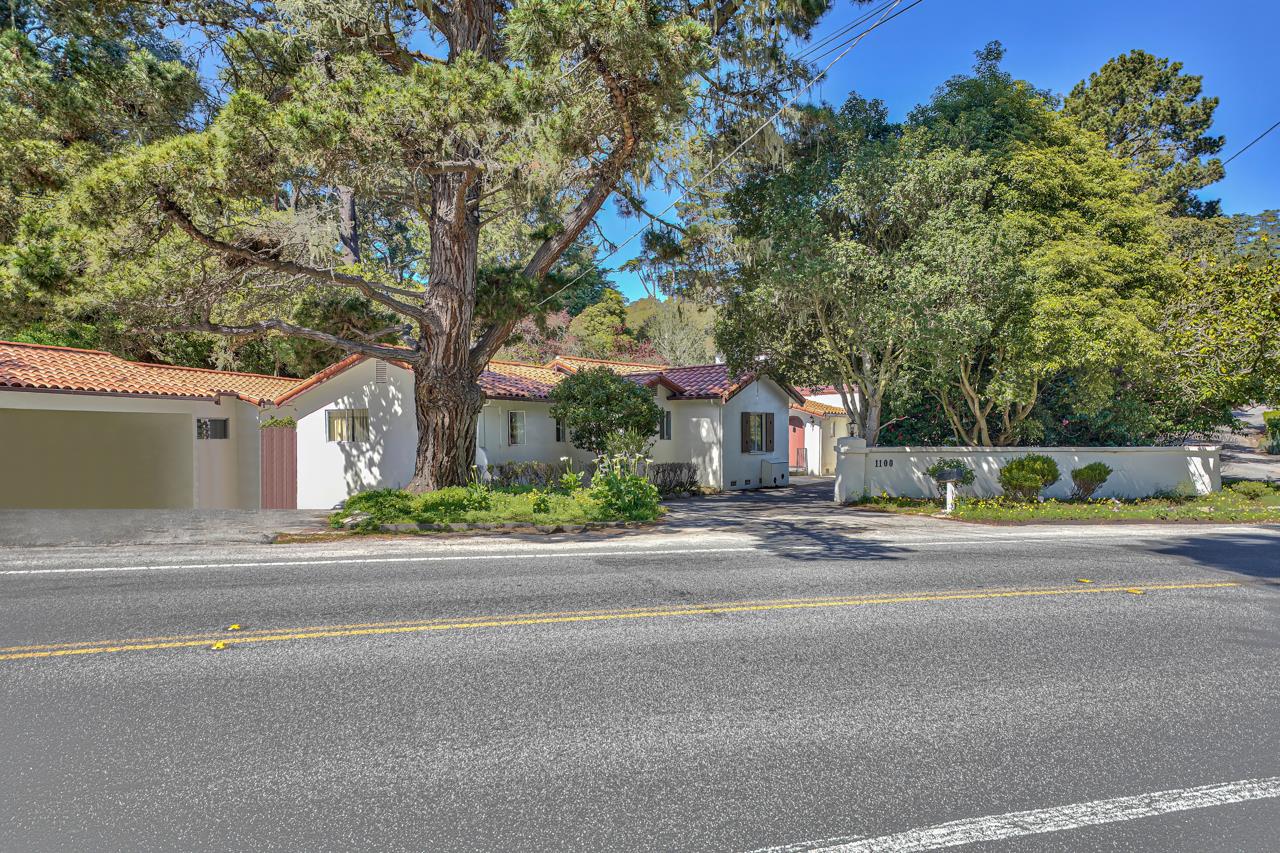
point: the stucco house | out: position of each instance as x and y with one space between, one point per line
813 427
88 429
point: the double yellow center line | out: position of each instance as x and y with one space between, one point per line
369 629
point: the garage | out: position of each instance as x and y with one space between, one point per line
71 459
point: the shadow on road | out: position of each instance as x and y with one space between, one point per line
800 522
1256 554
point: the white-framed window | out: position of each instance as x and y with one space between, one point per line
481 436
562 433
664 426
347 424
209 428
515 428
757 432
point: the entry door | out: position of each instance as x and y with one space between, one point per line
279 468
795 433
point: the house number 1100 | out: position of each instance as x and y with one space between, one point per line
884 463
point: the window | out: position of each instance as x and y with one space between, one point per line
561 433
757 432
211 428
664 428
515 428
347 424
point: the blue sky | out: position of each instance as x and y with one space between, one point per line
1056 44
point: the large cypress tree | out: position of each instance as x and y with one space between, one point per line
485 135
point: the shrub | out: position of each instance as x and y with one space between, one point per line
539 475
1088 479
943 465
380 503
674 478
1251 489
622 492
1027 476
1271 421
597 404
278 423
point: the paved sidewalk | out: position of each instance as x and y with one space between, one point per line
28 528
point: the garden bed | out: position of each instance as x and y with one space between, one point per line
617 495
1244 501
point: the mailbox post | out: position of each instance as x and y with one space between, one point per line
950 477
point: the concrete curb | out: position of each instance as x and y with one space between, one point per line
507 526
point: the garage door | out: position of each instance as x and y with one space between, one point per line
95 460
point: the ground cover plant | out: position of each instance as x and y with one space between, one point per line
617 492
1246 500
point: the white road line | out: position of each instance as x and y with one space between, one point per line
1038 821
528 555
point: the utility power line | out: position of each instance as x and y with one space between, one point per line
1256 140
848 45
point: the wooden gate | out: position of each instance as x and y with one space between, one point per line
279 468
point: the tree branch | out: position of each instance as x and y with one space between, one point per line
370 290
384 351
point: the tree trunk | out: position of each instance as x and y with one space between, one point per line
871 431
446 409
446 389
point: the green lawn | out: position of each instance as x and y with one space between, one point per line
1240 501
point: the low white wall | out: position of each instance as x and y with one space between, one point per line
1136 472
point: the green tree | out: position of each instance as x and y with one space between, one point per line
682 333
1154 116
601 328
79 83
496 131
795 298
597 406
1222 331
1257 235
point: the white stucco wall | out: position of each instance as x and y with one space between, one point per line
331 471
1137 472
697 436
540 445
743 470
212 473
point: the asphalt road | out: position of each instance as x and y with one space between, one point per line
702 688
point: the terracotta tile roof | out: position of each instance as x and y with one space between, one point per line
575 363
706 380
815 407
511 379
40 367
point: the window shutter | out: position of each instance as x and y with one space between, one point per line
768 432
746 432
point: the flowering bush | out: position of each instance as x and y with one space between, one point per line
541 502
621 490
571 480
